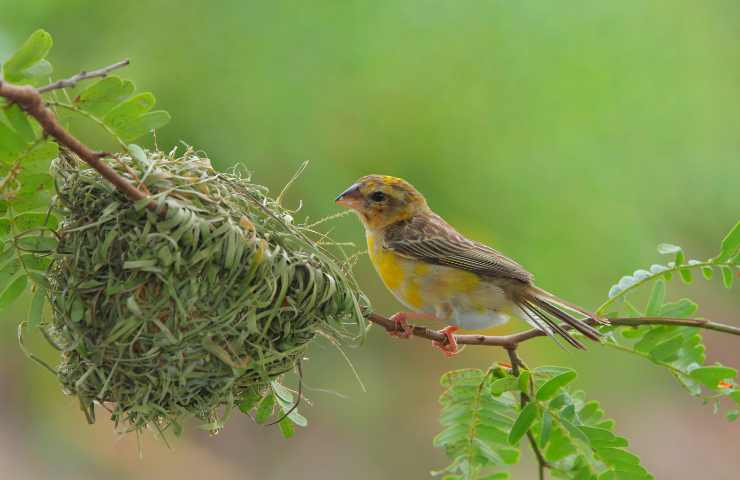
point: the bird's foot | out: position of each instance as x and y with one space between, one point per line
403 329
449 347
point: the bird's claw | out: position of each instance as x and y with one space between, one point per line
448 347
403 329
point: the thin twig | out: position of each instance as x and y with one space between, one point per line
33 103
516 363
83 75
511 341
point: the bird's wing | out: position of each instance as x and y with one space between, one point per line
430 239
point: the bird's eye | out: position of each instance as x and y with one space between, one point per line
377 196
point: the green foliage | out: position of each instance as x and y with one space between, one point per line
277 405
26 225
678 348
28 65
577 441
730 248
727 261
477 424
553 385
481 420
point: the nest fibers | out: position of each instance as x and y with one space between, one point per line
176 314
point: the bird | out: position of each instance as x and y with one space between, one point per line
439 274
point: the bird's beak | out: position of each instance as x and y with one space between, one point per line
350 197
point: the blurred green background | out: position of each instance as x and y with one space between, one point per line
573 136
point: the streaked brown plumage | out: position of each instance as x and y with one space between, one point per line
437 272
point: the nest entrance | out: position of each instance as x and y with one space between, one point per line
173 315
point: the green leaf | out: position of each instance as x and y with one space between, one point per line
138 154
11 146
523 422
686 275
100 97
657 297
29 220
682 308
285 400
38 160
668 249
573 430
77 311
265 408
523 379
37 243
286 427
668 350
545 428
9 263
13 289
712 375
28 62
19 121
732 415
34 193
707 272
730 244
249 401
125 112
462 377
601 437
727 275
37 308
550 388
132 118
618 456
680 258
505 384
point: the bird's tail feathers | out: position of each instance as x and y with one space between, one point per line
550 298
543 310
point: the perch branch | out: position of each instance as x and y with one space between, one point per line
512 341
32 102
83 75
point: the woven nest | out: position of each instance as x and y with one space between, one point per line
172 314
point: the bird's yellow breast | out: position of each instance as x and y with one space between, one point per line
389 265
415 283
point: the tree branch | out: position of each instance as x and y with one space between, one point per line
32 102
83 75
512 341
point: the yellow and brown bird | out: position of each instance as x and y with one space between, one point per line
437 273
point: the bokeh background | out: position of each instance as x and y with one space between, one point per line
573 136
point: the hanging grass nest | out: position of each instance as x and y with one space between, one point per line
177 313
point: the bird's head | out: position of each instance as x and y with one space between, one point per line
380 200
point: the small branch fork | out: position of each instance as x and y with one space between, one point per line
83 75
31 101
510 342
